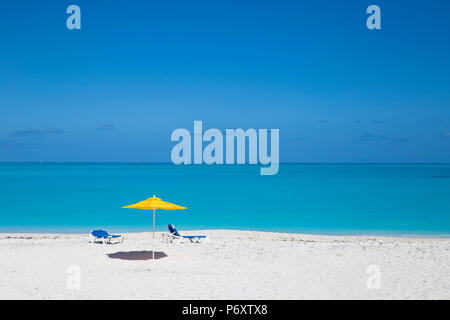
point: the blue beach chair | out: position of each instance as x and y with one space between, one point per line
103 236
175 237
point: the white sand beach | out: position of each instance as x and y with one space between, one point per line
231 265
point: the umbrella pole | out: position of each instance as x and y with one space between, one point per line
153 241
153 223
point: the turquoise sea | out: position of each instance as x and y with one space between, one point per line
312 198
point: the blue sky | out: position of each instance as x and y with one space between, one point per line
137 70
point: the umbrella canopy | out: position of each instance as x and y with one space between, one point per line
153 204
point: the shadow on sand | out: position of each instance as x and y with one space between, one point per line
136 255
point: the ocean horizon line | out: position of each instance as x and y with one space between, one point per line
204 164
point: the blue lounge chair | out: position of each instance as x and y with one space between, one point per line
174 236
103 236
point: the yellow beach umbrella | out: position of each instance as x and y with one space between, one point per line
153 204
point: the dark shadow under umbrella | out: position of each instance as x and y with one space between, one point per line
137 255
